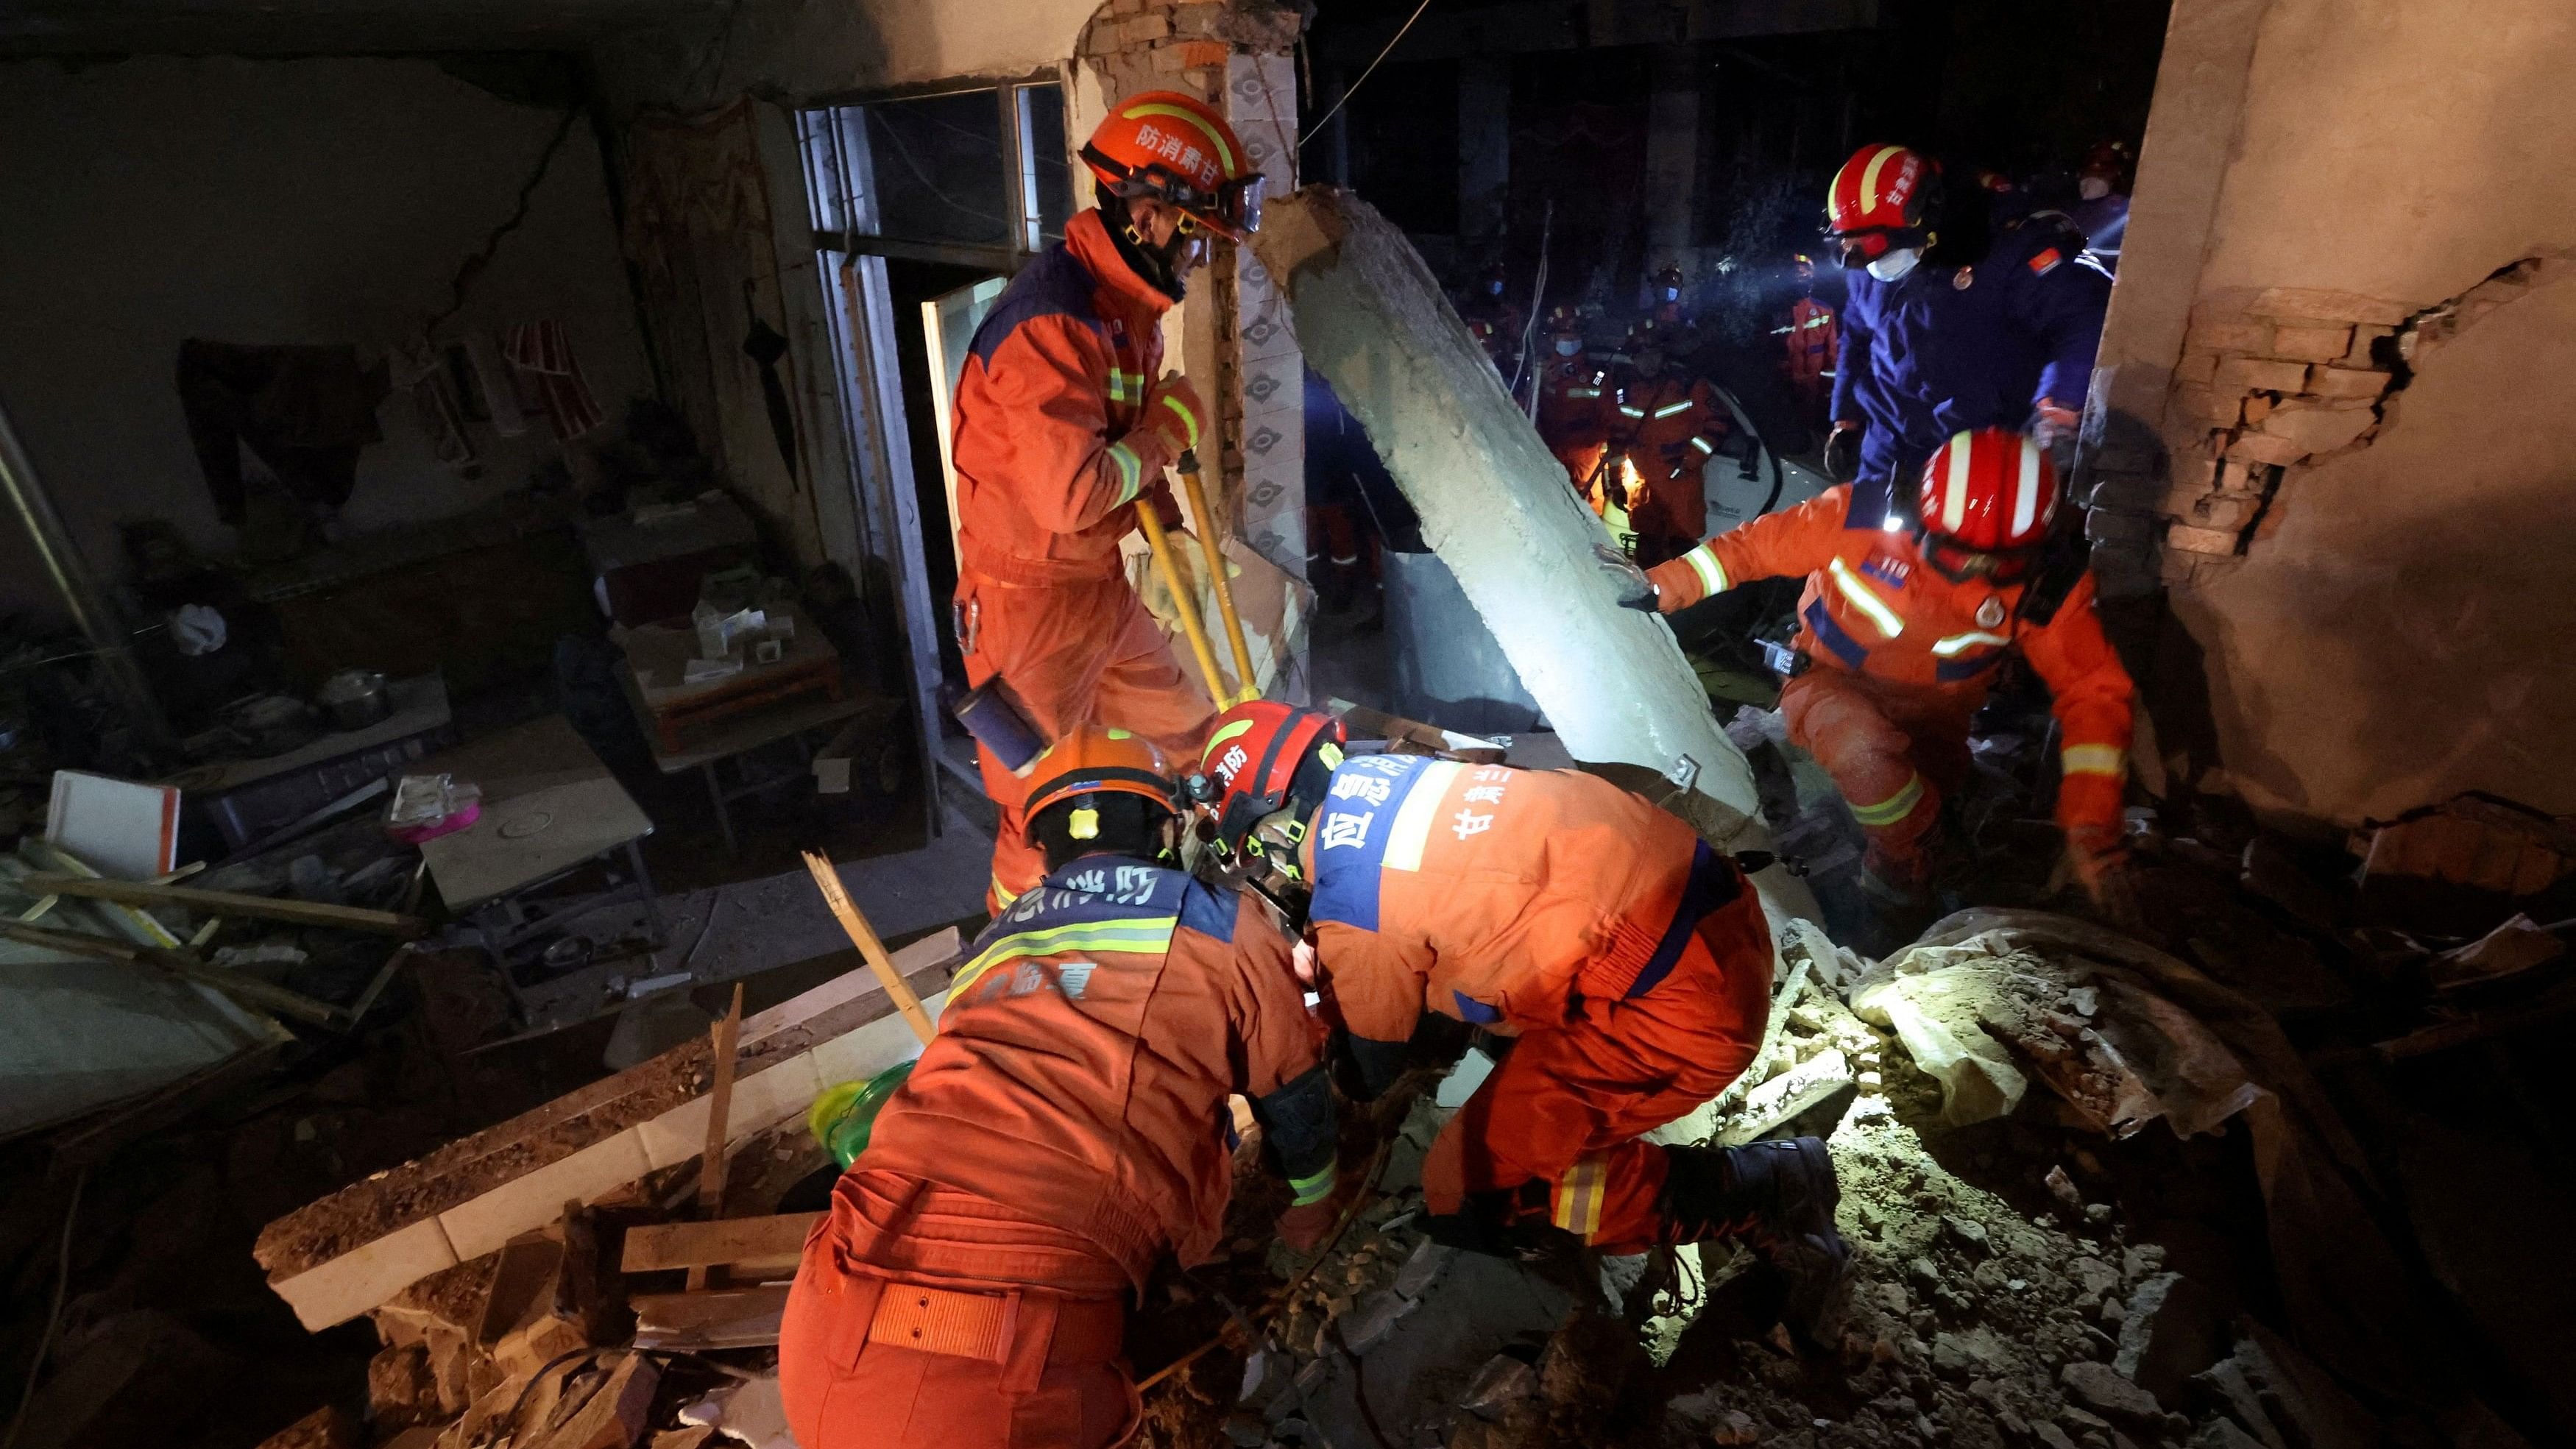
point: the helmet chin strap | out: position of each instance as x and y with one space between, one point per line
1158 265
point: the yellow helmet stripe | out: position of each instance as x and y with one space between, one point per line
1216 140
1869 175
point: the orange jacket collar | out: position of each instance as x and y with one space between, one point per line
1087 237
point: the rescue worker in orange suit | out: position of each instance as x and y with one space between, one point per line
1986 328
1631 960
1065 425
1903 629
1064 1130
1570 393
1666 426
1813 337
1493 320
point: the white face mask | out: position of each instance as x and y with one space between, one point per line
2093 188
1895 264
1567 347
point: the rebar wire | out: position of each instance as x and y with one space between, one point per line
1364 75
53 1316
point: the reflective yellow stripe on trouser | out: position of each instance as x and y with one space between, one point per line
1894 808
1577 1204
2094 760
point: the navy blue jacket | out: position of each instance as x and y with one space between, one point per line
1945 349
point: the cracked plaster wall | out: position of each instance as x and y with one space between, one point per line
2336 410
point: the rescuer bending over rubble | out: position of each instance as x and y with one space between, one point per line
1065 425
1629 958
1058 1136
1903 624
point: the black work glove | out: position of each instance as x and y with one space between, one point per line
1842 452
1635 590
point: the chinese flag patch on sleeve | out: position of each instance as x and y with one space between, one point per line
2045 262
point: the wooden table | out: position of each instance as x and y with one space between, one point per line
739 734
549 808
657 661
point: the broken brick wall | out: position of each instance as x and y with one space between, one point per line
2335 421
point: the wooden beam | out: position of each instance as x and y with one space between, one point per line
864 936
711 1167
659 1247
227 903
248 990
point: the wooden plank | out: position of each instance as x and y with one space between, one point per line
717 1318
864 936
248 990
831 1033
657 1247
228 903
711 1162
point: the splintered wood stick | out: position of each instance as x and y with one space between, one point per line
711 1168
864 936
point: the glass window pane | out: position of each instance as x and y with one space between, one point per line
1042 123
938 165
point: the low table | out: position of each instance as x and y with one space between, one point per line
549 808
740 734
253 802
672 709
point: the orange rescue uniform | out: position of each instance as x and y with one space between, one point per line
1900 657
1815 338
1669 427
1570 409
1063 1130
1632 960
1051 455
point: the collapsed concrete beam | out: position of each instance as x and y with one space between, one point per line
352 1251
1496 506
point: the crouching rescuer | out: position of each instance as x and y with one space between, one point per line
1630 960
1063 1130
1905 619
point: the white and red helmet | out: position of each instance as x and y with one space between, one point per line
1884 197
1990 492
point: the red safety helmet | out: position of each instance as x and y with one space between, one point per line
1669 283
1094 760
2110 160
1885 196
1564 321
1178 149
1252 760
1987 503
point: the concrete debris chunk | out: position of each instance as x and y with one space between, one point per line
1971 1352
1423 1268
1502 1382
324 1428
2098 1386
2174 1328
1970 1233
1785 1098
614 1416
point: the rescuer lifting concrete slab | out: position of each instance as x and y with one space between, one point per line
1496 507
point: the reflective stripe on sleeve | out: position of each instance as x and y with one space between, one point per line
2094 760
1894 808
1131 471
1962 643
1704 445
1668 409
1712 574
1864 600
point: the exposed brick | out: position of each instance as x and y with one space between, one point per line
2257 407
2319 429
1168 58
2240 336
2240 476
2196 367
2254 373
2318 305
2265 448
2310 344
2363 338
1203 52
2201 540
1146 27
2345 382
2227 511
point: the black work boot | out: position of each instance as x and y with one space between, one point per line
1778 1196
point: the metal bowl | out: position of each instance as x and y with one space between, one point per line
356 698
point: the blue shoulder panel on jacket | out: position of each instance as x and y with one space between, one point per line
1350 840
1209 911
1054 285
